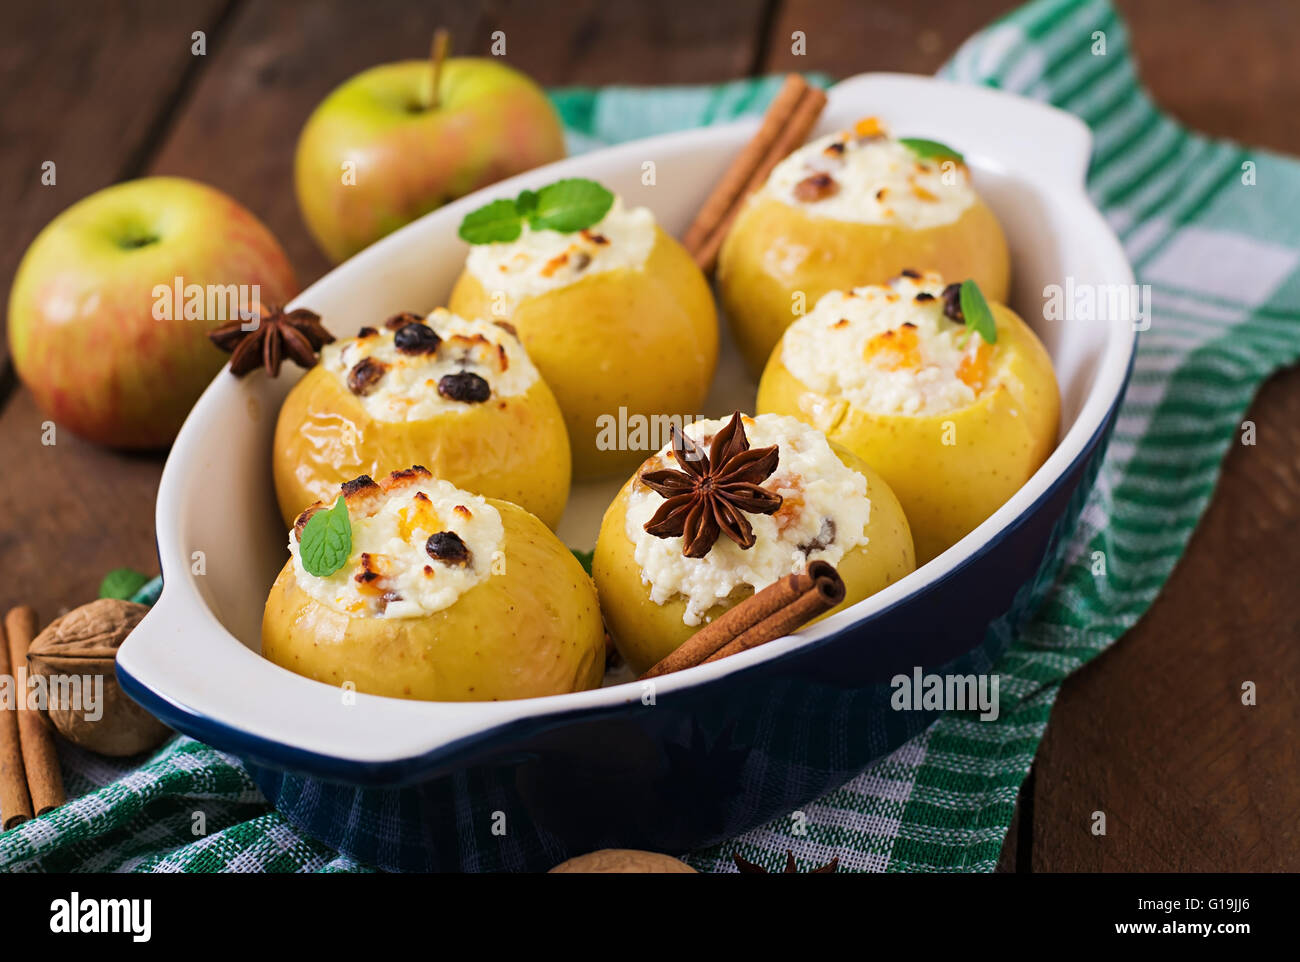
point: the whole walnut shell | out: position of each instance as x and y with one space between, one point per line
620 860
84 642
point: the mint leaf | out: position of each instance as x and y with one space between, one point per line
122 583
570 205
584 558
931 149
526 202
566 206
326 540
498 221
979 318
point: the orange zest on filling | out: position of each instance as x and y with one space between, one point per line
370 577
895 350
973 371
791 507
868 127
419 514
554 264
922 193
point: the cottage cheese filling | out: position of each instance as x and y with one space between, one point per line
889 350
864 176
418 544
407 384
545 260
824 515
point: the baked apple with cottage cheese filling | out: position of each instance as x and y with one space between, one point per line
458 395
851 208
414 588
955 411
728 508
615 315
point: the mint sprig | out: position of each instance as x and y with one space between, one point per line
122 583
570 205
498 221
566 206
976 311
326 540
931 149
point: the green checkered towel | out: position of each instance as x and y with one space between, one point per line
1209 225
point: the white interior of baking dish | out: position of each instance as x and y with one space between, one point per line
198 648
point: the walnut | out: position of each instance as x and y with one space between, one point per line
618 860
83 643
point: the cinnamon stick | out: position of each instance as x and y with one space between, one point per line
15 800
718 203
772 613
40 759
789 119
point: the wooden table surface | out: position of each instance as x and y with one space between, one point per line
1152 732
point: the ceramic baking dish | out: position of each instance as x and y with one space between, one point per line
707 752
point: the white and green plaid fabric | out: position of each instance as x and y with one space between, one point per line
1209 225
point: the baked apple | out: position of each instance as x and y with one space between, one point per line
443 595
663 568
616 316
855 207
896 375
459 396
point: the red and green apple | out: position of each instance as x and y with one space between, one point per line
112 303
385 147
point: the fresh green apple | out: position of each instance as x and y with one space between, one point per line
112 303
378 152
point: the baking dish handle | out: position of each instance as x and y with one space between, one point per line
1040 141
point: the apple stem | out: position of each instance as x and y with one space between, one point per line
441 45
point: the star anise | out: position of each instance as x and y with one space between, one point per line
747 867
297 334
710 494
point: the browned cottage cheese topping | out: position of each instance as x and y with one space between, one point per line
821 513
418 544
865 176
545 260
415 368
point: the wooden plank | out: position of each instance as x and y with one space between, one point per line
73 512
1226 72
85 93
1154 733
630 41
846 37
90 94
